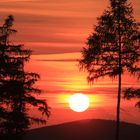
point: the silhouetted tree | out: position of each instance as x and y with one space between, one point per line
113 47
16 85
130 93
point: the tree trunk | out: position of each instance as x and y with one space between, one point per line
119 77
118 109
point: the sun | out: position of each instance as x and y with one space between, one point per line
79 102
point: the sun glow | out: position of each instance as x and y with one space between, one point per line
79 102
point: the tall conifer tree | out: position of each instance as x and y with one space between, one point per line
114 47
16 85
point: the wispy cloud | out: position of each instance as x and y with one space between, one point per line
63 22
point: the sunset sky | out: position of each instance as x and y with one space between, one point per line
56 31
55 26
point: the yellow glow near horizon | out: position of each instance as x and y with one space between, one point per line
79 102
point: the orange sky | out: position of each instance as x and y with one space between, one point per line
54 29
61 78
55 26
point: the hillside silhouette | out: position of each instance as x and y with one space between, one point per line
85 130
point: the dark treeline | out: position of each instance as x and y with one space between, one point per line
16 85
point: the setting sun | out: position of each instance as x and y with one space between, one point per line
78 102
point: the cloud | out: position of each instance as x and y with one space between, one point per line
7 1
59 22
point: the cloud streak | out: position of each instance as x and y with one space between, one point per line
63 22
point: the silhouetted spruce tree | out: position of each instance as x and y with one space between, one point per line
16 85
113 47
130 93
